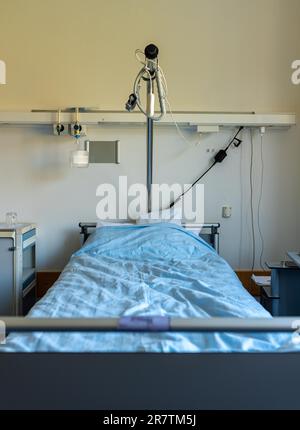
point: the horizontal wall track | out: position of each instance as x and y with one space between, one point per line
188 119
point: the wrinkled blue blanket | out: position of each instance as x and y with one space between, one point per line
156 269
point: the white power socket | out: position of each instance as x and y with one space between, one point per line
72 132
226 211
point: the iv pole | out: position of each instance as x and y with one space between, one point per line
149 161
150 73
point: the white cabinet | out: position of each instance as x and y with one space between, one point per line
17 268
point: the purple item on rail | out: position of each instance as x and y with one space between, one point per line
144 323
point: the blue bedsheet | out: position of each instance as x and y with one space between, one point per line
158 269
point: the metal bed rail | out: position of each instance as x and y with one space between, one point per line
209 231
151 323
156 381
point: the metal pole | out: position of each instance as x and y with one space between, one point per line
149 160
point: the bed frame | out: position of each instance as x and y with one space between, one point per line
157 381
207 231
150 381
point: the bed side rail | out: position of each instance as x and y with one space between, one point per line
151 323
151 381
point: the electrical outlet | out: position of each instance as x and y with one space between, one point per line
226 211
63 130
83 131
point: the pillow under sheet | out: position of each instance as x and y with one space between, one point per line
173 215
108 223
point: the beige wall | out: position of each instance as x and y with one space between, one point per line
217 54
38 183
234 55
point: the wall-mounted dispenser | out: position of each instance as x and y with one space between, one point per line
80 157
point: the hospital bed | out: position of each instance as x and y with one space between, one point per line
149 317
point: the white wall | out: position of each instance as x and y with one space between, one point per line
37 182
218 55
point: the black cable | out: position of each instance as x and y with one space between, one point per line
235 139
219 157
193 184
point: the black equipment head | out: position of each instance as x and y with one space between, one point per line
131 103
151 51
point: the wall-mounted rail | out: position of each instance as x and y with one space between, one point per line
189 119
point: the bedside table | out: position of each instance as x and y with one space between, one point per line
17 268
282 297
